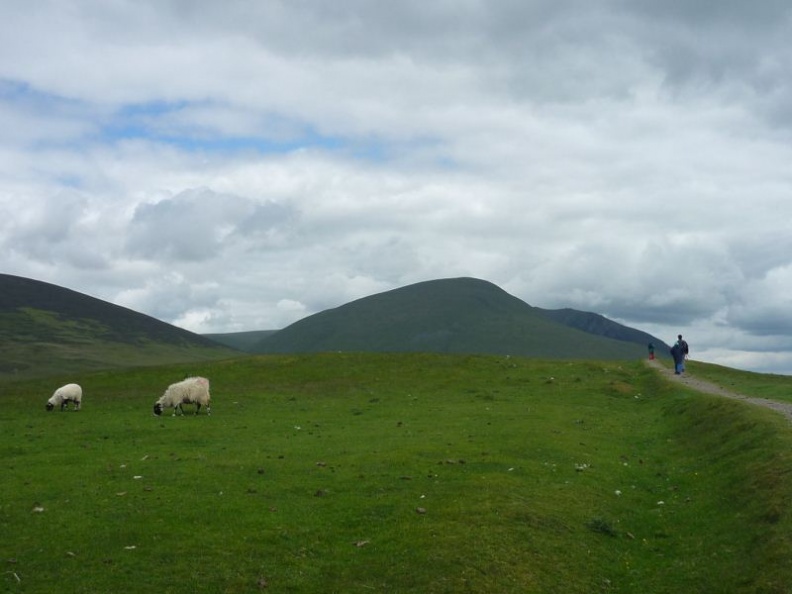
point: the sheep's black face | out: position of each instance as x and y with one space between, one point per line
50 406
158 409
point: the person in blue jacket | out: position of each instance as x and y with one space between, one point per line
678 352
683 346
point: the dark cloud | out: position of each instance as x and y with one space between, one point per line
755 16
763 320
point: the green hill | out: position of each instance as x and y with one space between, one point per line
241 341
46 329
459 315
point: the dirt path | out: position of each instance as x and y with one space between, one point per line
710 388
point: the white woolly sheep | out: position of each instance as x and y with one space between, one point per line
64 395
193 390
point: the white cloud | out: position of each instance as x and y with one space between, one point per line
240 165
198 225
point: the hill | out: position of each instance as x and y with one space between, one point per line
459 315
45 329
241 341
602 326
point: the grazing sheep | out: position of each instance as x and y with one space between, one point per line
193 390
65 394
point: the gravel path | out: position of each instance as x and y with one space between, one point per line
710 388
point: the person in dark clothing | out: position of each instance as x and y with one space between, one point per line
651 350
678 356
679 351
683 346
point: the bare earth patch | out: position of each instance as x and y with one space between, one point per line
710 388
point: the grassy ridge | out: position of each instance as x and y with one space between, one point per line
343 473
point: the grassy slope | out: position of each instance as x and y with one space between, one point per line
47 329
308 476
37 342
762 385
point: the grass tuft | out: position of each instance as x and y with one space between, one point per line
601 526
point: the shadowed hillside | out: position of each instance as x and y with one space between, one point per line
241 341
461 315
602 326
45 328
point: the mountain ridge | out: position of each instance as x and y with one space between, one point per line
46 328
458 315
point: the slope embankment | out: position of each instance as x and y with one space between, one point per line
694 383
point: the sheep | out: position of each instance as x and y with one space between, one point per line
193 390
65 394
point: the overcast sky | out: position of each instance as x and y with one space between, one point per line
239 165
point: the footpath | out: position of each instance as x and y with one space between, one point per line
709 388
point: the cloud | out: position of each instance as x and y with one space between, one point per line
764 306
238 166
172 296
200 224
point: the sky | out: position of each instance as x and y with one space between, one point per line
240 165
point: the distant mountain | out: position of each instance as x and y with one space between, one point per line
45 329
242 341
459 315
602 326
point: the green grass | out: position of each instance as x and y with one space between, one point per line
762 385
395 473
54 358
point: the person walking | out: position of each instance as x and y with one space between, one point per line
683 346
651 351
679 358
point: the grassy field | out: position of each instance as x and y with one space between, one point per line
762 385
395 473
